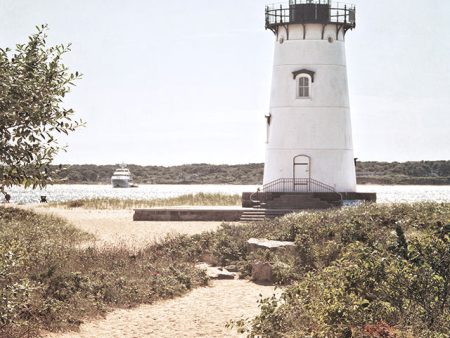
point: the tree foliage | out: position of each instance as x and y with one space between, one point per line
33 84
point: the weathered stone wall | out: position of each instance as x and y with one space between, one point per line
206 215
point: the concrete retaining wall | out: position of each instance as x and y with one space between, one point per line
205 215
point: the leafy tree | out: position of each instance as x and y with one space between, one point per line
33 84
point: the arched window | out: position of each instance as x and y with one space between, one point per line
304 86
304 78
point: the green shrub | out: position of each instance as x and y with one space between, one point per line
367 271
371 270
48 280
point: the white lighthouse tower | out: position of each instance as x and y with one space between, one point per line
309 137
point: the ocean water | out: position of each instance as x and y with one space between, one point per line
67 192
385 193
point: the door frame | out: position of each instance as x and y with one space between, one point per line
296 161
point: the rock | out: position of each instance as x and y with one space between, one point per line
232 268
215 272
219 273
262 243
262 272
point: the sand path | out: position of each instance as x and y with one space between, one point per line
201 313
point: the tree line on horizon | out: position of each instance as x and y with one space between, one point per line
417 172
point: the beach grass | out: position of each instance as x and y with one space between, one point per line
379 270
375 270
199 199
52 276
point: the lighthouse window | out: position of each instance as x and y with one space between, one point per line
303 86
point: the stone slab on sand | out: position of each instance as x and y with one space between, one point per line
263 243
214 272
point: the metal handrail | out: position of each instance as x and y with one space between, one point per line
256 193
297 185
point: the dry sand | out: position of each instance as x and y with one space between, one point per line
201 313
117 226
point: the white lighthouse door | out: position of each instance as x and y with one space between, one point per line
302 173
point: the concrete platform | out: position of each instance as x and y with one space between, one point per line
201 214
333 198
276 205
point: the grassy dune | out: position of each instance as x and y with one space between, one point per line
48 281
366 271
200 199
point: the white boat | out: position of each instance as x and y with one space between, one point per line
122 178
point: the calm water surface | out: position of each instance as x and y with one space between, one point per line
66 192
386 193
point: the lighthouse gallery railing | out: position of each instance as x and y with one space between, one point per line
286 13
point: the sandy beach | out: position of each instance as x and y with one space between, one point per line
203 312
113 227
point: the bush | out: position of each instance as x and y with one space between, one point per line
373 269
366 271
51 279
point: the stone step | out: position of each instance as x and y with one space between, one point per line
262 214
265 214
265 211
253 220
259 217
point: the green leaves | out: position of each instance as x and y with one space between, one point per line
33 81
374 271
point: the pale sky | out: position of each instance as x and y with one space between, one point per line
174 82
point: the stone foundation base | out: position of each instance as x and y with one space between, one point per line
332 198
270 205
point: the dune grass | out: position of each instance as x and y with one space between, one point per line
200 199
367 271
376 270
49 281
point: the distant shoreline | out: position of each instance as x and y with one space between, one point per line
384 173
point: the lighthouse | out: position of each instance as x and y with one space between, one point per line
309 136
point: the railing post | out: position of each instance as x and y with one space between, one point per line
345 13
